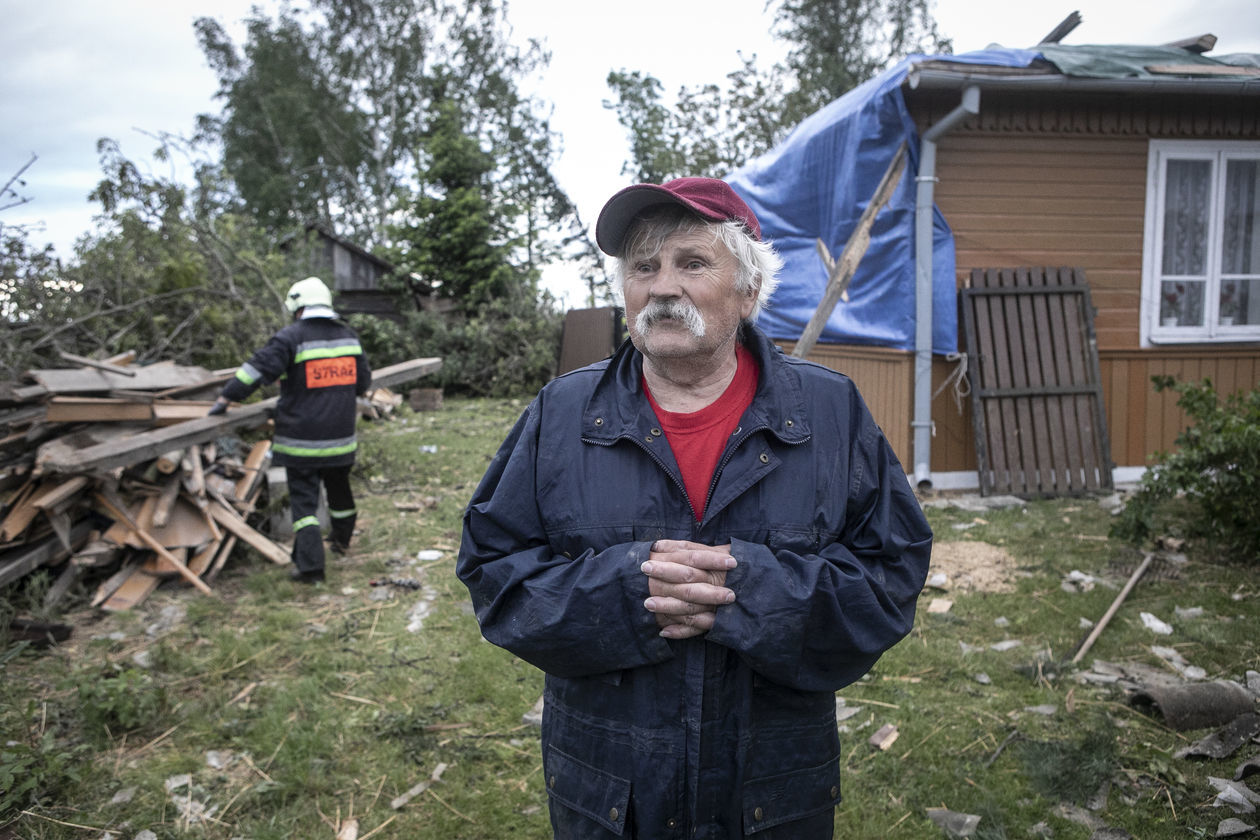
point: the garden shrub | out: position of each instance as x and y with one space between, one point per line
1209 489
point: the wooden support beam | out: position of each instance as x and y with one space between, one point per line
121 515
1064 28
844 268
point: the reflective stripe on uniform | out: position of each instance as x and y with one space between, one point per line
341 514
308 350
248 374
313 448
305 522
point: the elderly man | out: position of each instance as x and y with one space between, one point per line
699 541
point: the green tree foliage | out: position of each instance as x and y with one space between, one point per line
1210 487
291 142
503 348
834 45
329 116
838 44
449 237
160 276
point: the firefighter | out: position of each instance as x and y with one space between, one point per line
322 371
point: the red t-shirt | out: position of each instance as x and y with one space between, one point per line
698 438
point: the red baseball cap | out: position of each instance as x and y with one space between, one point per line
709 198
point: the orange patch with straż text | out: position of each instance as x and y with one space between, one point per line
325 373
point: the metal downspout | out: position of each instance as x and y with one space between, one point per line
924 196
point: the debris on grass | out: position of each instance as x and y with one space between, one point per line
1195 705
953 823
1225 741
940 605
400 801
982 678
884 737
1155 625
1250 767
971 565
1005 645
1078 581
1174 658
1234 795
1234 827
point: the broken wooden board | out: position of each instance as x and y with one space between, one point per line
46 552
137 586
115 511
149 377
96 410
232 522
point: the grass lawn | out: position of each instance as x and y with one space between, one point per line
278 710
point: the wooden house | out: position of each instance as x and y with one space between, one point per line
1136 168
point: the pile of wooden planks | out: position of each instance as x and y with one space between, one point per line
116 469
148 517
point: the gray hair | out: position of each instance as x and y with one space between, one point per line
757 263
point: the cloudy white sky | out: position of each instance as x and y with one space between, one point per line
72 71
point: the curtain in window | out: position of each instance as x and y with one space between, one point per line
1187 194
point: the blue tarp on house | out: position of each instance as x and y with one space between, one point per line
815 185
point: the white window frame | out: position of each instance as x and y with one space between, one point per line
1159 152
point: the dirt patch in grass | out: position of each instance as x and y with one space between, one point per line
971 565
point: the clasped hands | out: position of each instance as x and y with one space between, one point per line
687 583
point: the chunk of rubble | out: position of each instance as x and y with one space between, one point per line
1226 741
1234 827
1195 705
1078 581
1005 645
953 823
1155 625
1234 795
1174 658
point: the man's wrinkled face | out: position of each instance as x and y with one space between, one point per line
682 301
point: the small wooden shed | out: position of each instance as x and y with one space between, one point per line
354 273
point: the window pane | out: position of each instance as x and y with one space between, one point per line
1181 303
1241 245
1186 198
1240 303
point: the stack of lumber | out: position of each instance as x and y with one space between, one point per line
148 516
117 469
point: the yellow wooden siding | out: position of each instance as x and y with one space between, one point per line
1044 200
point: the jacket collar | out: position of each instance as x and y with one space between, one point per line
618 406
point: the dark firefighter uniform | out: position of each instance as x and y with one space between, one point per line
322 371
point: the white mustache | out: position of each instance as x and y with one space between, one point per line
677 309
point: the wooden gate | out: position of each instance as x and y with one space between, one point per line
1036 393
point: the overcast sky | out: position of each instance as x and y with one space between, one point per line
73 71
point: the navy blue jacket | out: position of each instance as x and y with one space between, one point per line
322 370
732 732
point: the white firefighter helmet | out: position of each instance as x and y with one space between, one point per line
308 292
